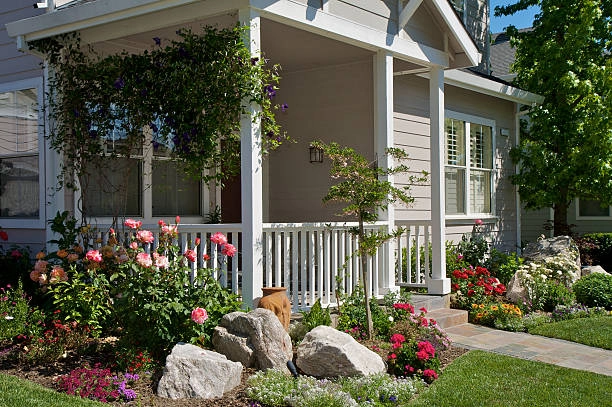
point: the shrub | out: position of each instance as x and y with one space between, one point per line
409 357
503 265
316 316
596 249
556 294
352 316
55 341
156 297
474 286
14 311
454 259
474 246
15 266
594 290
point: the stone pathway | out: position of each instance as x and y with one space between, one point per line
521 345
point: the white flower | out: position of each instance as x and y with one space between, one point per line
8 317
390 318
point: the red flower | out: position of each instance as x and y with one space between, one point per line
398 338
229 250
206 257
470 293
481 271
430 374
190 255
393 356
3 235
455 287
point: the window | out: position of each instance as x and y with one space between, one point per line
147 184
20 141
469 165
591 208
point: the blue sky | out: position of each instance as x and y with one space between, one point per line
521 19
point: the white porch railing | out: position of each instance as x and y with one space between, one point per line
312 260
413 254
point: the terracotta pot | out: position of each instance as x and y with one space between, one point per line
275 299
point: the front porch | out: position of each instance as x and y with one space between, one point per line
313 260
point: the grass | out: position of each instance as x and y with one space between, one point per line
15 392
593 331
479 378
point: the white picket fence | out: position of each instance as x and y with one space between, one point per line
312 260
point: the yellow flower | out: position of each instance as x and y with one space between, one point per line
481 306
474 306
494 307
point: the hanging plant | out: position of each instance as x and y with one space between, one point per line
186 96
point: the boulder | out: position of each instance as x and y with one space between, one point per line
539 251
255 339
193 372
515 292
327 352
592 269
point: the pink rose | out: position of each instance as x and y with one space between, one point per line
197 241
16 254
177 219
161 223
199 315
478 222
144 259
133 245
218 238
228 250
145 236
190 255
162 262
94 255
35 275
132 224
169 230
41 265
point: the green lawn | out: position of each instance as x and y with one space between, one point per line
594 331
479 378
15 392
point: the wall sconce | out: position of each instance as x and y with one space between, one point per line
316 154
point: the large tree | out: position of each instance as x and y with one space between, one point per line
567 151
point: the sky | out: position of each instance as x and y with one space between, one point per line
522 19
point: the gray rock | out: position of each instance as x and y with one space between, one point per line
255 339
538 252
193 372
327 352
592 269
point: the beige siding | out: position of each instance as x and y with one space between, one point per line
333 103
411 132
424 29
14 66
532 224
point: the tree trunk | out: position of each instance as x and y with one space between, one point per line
364 278
560 225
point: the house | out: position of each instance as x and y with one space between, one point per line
584 215
369 74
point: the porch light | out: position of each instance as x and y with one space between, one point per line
316 154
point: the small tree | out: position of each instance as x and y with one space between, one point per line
366 194
567 152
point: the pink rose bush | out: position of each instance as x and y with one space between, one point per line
416 351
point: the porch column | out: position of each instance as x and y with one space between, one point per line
251 179
383 138
438 283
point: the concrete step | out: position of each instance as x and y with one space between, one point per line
430 302
448 317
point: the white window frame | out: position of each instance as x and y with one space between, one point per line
31 223
145 161
467 118
582 217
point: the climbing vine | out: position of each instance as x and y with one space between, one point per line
184 97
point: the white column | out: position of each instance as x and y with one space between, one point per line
383 139
251 180
54 200
438 284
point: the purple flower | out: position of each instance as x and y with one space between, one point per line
254 60
271 92
129 394
119 83
284 107
157 40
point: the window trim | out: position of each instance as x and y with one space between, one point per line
468 118
582 217
32 223
146 194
